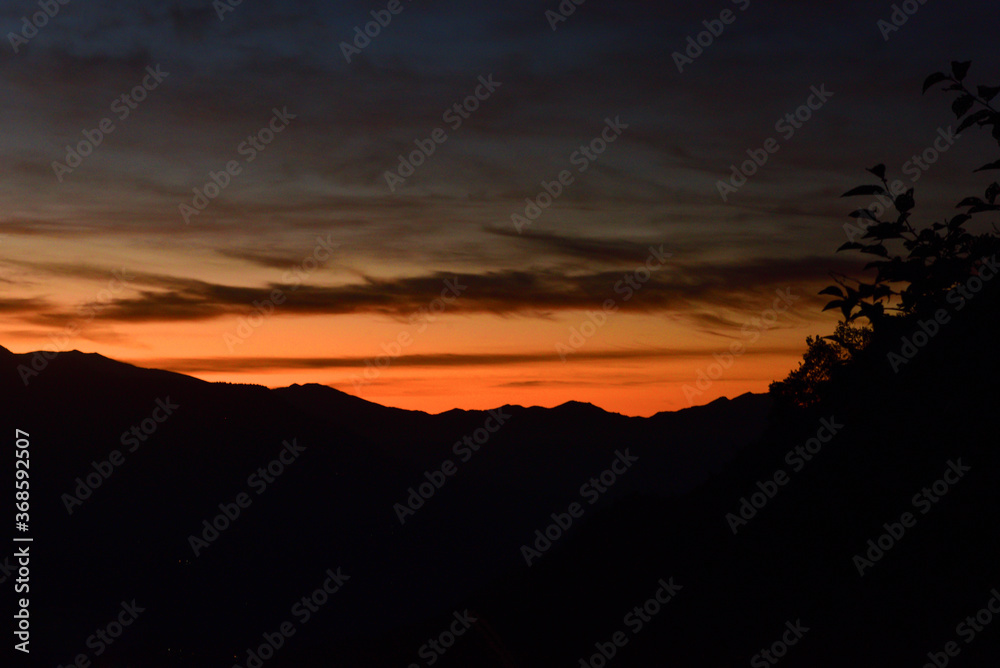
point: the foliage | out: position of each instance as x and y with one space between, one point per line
934 259
825 356
915 267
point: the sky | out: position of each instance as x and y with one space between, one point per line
277 200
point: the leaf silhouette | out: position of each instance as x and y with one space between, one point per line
992 192
960 69
872 311
962 105
977 117
833 291
905 201
992 165
988 92
933 79
878 170
883 291
958 220
836 303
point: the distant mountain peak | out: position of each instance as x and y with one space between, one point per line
581 407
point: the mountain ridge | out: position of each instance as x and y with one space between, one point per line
78 357
339 501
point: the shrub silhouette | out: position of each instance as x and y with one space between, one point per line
821 365
915 267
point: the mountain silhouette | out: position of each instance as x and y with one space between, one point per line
336 505
768 524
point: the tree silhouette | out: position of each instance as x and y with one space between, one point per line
938 257
820 366
915 267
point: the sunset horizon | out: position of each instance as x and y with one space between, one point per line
386 333
703 390
433 233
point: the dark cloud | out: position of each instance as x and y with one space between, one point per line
29 305
606 250
240 364
685 289
452 217
268 259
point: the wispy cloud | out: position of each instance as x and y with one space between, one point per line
247 364
685 289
